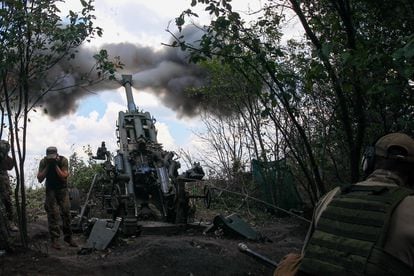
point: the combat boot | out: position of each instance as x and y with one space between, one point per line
70 241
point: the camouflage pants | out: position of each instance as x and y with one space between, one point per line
5 195
57 205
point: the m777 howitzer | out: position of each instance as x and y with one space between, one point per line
142 174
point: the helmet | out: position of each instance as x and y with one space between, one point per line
397 146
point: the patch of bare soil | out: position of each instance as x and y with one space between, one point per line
186 253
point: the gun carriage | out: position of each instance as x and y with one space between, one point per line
141 175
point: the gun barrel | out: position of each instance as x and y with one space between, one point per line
127 83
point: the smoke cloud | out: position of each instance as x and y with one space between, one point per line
166 73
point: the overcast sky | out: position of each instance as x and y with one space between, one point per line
93 119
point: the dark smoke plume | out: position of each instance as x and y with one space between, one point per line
166 72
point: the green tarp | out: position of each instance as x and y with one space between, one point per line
276 182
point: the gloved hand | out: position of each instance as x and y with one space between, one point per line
289 265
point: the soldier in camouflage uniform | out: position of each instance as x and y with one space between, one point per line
54 168
6 164
366 228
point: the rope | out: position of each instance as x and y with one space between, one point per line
263 202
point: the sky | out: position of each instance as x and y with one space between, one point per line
91 119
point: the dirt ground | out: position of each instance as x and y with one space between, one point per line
189 252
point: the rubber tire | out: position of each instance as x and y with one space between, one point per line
74 198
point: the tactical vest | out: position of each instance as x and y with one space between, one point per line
351 234
52 178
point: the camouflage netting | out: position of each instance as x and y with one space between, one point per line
276 182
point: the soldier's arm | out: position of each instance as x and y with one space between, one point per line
400 236
42 172
62 168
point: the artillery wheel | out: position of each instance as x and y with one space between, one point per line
74 198
207 197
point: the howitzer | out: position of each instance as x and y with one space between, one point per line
142 175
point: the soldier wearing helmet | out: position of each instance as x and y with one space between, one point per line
366 228
6 164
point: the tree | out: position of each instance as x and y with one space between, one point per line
81 173
34 39
344 82
238 135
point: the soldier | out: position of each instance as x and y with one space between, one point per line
366 228
54 168
6 164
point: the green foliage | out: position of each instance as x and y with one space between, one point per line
81 173
329 92
35 203
34 38
226 85
106 66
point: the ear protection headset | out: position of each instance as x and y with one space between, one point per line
398 149
368 160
